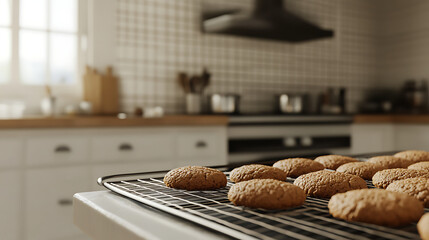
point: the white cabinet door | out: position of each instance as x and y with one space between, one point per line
12 152
120 148
206 147
372 138
204 144
48 195
57 150
412 137
11 201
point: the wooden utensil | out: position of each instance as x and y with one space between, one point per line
205 77
183 80
194 84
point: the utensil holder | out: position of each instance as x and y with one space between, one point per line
48 107
193 103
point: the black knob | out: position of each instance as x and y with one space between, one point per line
65 202
62 149
201 144
125 147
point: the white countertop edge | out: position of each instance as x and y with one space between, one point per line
103 216
99 223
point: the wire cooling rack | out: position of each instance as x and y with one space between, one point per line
213 210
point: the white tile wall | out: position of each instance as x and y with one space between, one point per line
158 38
404 51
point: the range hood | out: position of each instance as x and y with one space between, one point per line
268 20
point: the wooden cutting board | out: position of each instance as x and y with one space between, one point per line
101 90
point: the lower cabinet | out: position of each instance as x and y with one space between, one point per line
41 170
11 150
372 138
410 137
48 202
10 207
204 148
132 147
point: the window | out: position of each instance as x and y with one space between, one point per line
5 40
39 42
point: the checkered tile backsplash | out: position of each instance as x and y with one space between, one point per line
158 38
404 41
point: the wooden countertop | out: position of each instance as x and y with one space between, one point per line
174 120
402 118
100 121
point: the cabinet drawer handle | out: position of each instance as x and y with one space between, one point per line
125 147
201 144
65 202
62 149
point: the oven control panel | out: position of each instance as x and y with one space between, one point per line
260 142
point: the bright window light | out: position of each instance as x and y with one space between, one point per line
63 59
5 55
48 41
32 55
63 15
33 13
5 9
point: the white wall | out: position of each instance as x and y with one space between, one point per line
404 50
102 33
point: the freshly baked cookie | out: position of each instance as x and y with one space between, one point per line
295 167
420 166
376 206
334 161
416 187
266 193
414 156
324 184
364 170
256 171
388 162
383 178
423 227
195 178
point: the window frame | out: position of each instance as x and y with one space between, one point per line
18 90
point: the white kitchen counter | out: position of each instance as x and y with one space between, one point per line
103 215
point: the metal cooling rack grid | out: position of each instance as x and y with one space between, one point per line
212 209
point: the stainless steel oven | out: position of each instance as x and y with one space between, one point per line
269 138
